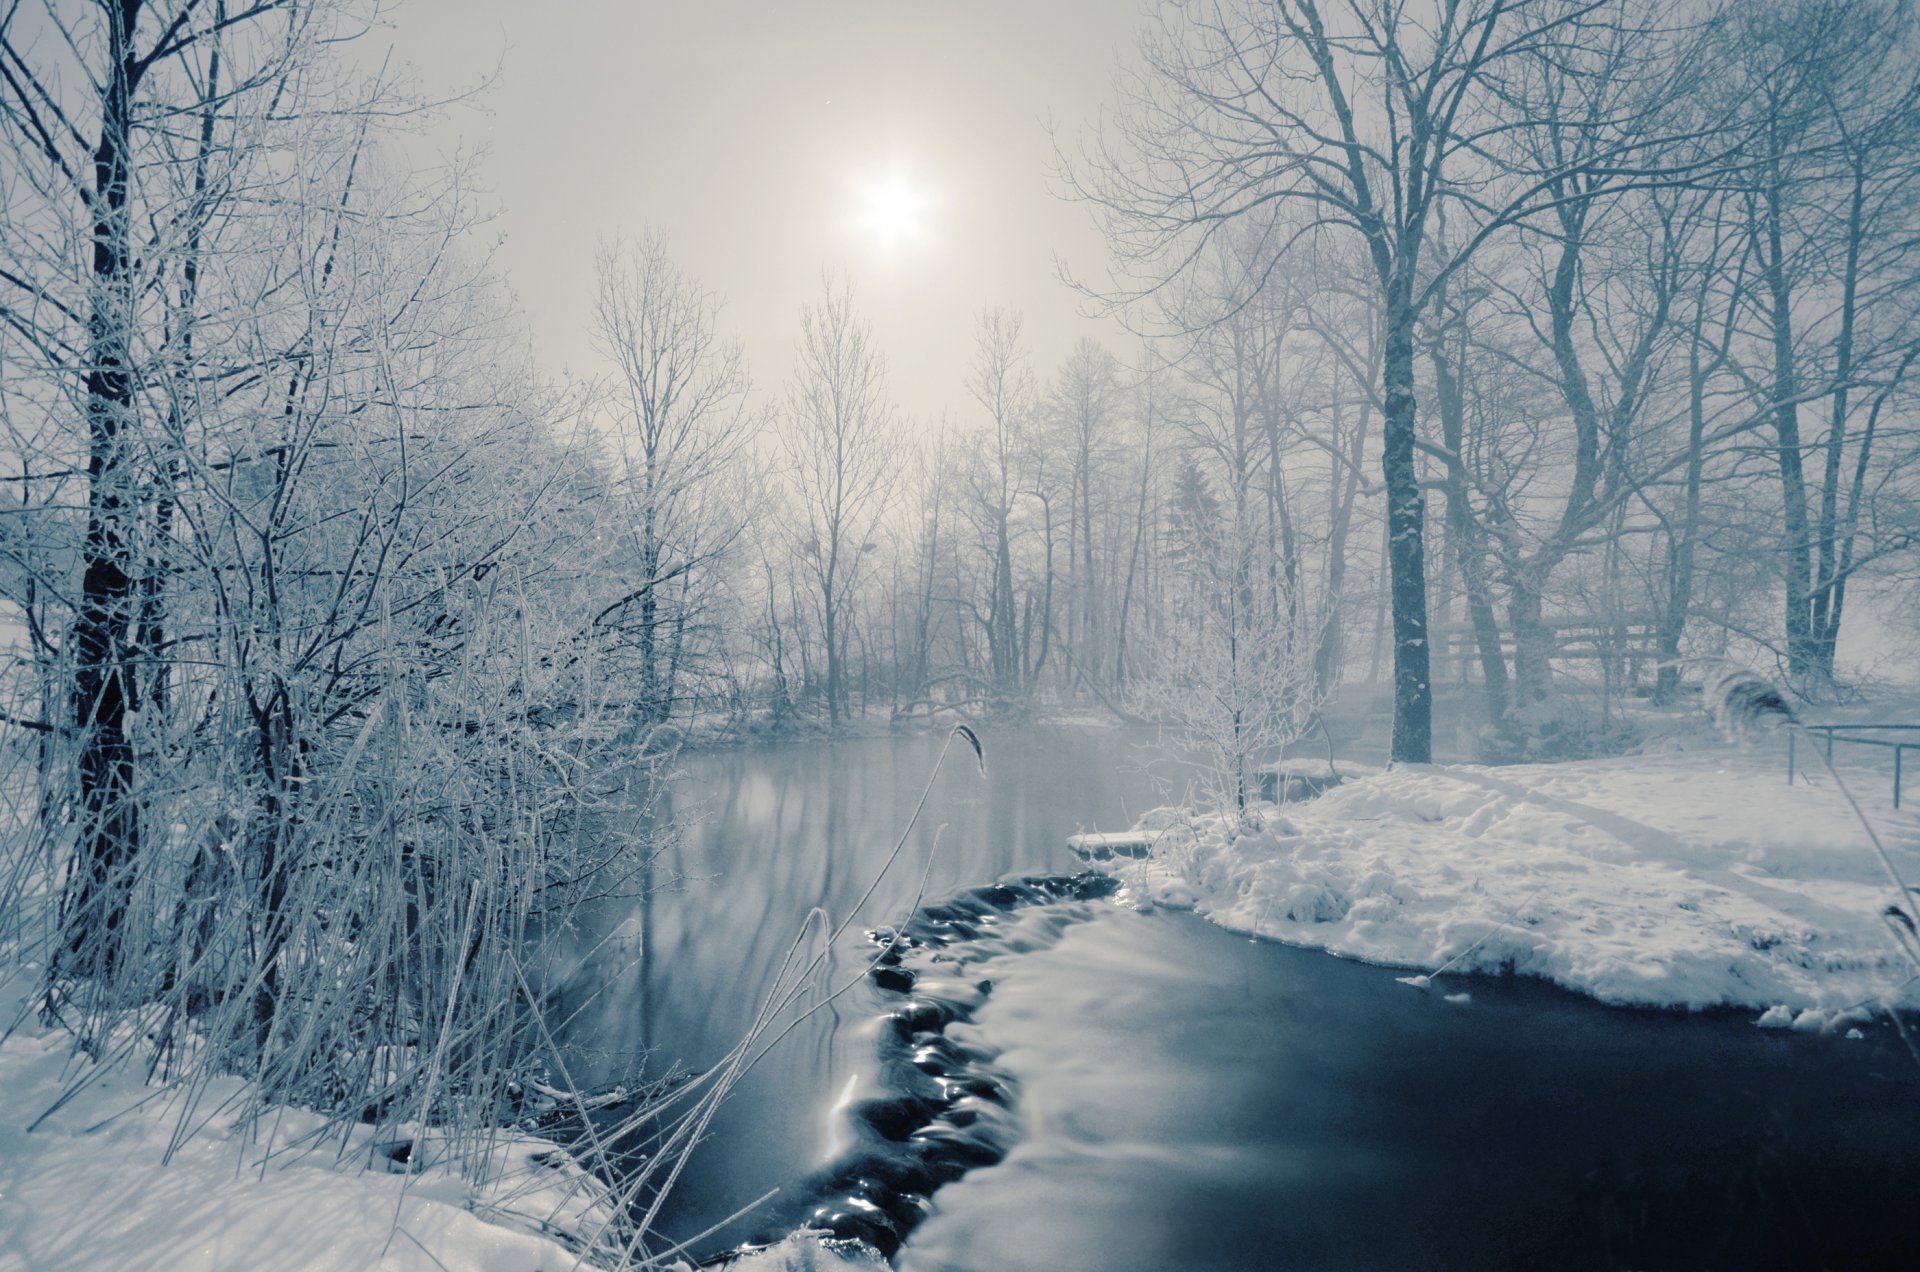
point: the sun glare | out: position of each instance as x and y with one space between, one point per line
893 211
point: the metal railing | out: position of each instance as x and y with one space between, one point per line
1841 733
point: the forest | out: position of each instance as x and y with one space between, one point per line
1504 359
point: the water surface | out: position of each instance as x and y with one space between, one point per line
1186 1098
1193 1099
767 834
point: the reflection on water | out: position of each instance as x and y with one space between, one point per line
766 835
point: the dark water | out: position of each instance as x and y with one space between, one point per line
1185 1098
1192 1099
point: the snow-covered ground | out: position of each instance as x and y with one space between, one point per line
1693 878
89 1189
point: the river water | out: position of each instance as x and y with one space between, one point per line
1186 1098
768 833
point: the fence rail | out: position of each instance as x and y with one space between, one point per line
1842 733
1625 647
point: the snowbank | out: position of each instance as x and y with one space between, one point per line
87 1189
1687 880
90 1189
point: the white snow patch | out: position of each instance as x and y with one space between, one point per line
90 1189
811 1252
1690 880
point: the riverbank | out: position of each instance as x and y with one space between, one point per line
1692 878
768 832
101 1183
91 1185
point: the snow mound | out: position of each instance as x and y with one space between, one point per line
1696 880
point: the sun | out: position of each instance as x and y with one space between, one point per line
893 210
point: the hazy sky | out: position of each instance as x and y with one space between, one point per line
750 133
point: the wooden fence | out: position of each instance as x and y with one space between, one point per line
1626 643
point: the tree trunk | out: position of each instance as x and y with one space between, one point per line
652 694
1532 642
1681 538
1406 553
1002 631
1133 562
829 622
1828 585
1330 651
104 682
1469 549
1786 417
1090 586
1032 679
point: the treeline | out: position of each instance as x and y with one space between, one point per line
847 561
1632 285
1482 321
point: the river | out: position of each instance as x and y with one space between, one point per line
1186 1098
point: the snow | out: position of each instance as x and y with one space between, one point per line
811 1252
1690 879
1302 778
1102 845
1319 769
90 1188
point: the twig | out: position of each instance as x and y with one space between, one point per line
1421 981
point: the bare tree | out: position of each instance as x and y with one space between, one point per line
1002 383
1086 405
682 428
838 438
1830 217
310 486
1366 117
128 122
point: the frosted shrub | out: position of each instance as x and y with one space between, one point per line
1231 669
365 748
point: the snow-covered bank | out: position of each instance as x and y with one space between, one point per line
1691 879
92 1188
88 1189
